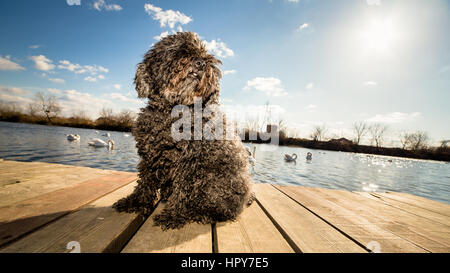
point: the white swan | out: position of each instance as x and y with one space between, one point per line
73 137
251 156
309 156
96 142
126 135
290 158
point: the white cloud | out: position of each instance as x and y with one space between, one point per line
7 64
13 90
302 27
79 69
42 63
162 35
94 79
102 69
293 1
311 107
117 86
245 113
167 17
57 80
13 95
64 64
373 2
54 91
100 5
73 2
21 101
117 96
34 46
90 79
271 86
309 86
370 83
227 72
395 117
225 100
218 48
75 101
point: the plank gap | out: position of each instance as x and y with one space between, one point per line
327 222
215 244
283 233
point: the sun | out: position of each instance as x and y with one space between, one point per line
378 35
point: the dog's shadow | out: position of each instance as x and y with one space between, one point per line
193 238
97 230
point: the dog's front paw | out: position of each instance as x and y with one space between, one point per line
124 205
167 220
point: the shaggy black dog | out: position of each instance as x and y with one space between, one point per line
202 181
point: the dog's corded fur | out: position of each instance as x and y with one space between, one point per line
203 181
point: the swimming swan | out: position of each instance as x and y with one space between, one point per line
309 156
289 158
96 142
73 137
251 156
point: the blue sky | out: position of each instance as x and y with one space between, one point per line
315 62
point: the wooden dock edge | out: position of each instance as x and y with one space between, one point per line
282 219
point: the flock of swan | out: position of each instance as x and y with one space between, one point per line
293 157
95 142
287 157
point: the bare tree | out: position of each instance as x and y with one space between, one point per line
444 143
106 113
377 132
32 109
405 139
48 105
81 116
126 118
418 140
360 129
414 141
319 132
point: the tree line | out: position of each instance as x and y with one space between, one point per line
46 109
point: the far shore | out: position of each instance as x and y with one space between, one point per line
430 153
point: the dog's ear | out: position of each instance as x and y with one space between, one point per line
142 81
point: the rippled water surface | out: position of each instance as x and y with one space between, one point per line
335 170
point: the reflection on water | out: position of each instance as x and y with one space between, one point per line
327 169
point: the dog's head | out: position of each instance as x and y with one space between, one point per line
178 68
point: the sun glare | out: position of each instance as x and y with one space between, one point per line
378 35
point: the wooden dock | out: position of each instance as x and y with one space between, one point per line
51 207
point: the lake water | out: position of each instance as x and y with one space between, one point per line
334 170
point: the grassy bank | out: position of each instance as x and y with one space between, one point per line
123 122
430 153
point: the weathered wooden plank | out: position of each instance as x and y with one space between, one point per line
192 238
304 231
417 201
429 235
25 216
97 227
25 180
252 232
360 228
419 211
